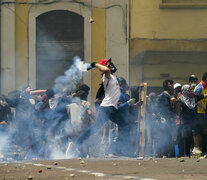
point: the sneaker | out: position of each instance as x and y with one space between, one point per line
196 151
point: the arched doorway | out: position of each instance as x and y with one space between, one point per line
59 37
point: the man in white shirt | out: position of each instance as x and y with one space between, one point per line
108 108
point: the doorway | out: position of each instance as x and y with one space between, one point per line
59 37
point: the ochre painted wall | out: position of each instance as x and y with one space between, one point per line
98 45
21 44
166 31
149 21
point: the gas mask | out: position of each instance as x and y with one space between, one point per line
112 68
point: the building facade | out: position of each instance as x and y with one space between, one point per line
149 41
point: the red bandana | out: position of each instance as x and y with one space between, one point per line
204 84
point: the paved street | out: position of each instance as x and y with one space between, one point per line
111 169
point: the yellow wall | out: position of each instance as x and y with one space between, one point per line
21 44
166 30
98 45
149 21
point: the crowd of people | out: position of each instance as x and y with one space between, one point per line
178 117
43 123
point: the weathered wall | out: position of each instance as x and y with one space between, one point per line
106 37
167 32
7 48
149 21
21 44
98 45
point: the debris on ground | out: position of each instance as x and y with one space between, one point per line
40 171
82 162
55 163
30 177
72 175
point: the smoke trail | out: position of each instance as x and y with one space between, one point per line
72 77
3 143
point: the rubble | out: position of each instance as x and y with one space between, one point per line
82 162
30 177
55 163
72 175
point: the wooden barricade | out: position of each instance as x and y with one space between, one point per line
141 120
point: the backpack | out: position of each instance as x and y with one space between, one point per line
100 94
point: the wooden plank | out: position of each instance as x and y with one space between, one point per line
141 120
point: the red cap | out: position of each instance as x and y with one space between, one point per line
103 61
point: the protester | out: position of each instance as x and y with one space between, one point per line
165 112
49 119
108 108
150 123
200 129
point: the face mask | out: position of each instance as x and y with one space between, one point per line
112 67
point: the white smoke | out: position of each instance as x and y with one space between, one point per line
72 77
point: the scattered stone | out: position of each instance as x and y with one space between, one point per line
55 163
183 170
11 177
115 164
82 162
155 161
40 171
139 164
49 167
198 160
182 160
164 156
30 177
72 175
